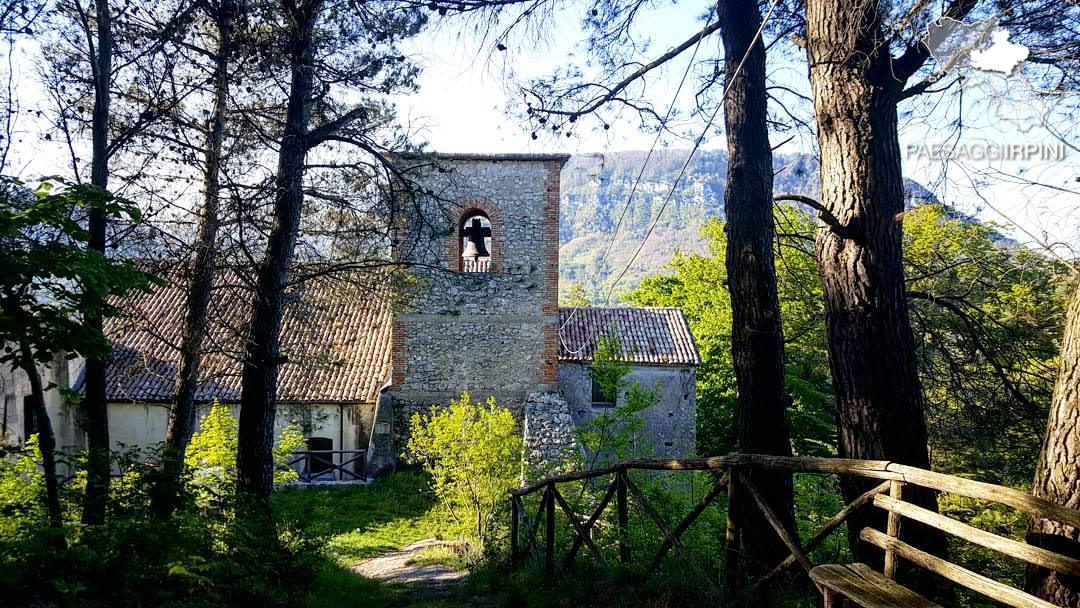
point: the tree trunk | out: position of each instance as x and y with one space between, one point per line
1057 477
182 416
757 340
258 400
95 408
46 437
871 351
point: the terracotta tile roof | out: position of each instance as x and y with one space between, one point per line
652 336
336 335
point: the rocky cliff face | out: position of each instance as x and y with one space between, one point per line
595 188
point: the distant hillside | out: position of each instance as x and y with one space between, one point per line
595 188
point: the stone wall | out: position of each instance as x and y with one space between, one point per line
670 428
548 434
491 334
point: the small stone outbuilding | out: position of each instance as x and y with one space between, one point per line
663 357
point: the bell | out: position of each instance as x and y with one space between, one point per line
472 251
474 246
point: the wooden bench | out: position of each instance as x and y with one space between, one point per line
860 584
864 586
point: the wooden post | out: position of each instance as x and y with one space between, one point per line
893 530
514 525
624 515
731 538
549 557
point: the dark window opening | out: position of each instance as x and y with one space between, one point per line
598 399
30 421
476 243
319 463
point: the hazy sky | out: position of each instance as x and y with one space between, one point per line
465 90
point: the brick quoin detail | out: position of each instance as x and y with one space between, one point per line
397 353
550 357
453 255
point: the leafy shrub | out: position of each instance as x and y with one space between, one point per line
22 485
207 554
616 434
473 453
211 456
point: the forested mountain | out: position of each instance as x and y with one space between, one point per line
595 188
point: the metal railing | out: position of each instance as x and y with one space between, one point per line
316 466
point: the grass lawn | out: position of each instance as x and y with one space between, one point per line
354 523
358 522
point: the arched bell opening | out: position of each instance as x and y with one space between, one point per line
475 236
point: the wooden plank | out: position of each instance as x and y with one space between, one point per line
549 532
774 521
892 528
624 516
578 529
564 477
687 521
1013 548
515 509
677 543
1026 503
865 587
873 469
834 522
961 576
535 526
731 539
592 520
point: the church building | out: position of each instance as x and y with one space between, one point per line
478 312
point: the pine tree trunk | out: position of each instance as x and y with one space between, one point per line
258 400
757 340
859 249
182 416
1057 477
94 406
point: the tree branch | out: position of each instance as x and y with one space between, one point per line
823 214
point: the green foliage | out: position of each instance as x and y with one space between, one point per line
49 279
695 283
473 453
987 321
574 296
203 556
986 316
211 455
615 434
22 484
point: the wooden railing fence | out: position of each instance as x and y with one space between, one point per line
886 495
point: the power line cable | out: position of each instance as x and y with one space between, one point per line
637 181
693 150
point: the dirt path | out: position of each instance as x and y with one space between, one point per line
399 567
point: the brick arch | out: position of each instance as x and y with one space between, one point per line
462 211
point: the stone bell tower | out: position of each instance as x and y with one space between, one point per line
482 315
